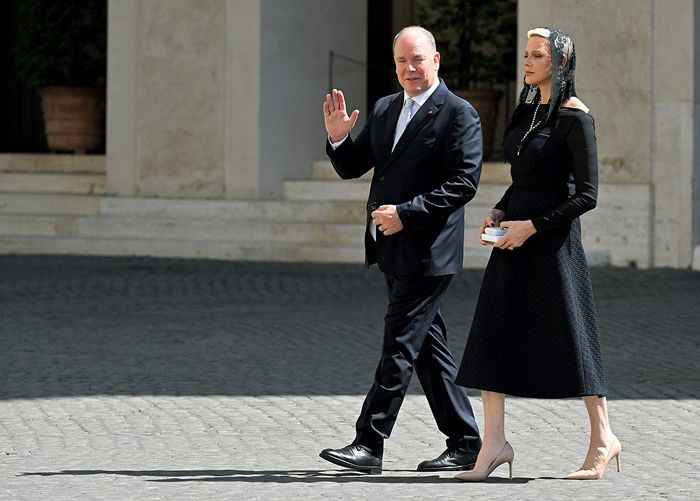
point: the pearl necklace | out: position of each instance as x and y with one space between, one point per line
533 125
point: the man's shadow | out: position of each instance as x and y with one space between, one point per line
277 476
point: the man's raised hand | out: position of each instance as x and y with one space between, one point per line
335 116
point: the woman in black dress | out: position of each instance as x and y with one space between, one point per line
535 332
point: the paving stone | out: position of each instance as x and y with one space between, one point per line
137 378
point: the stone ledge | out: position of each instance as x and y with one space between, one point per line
206 249
57 204
52 182
491 172
50 162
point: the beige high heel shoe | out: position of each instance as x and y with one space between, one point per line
505 456
597 472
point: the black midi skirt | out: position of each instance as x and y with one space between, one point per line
535 331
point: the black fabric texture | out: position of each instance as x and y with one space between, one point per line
535 332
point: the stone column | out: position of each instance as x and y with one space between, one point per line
672 125
242 120
165 98
121 97
696 141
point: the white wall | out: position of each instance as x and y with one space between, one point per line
296 38
635 70
696 144
222 98
166 93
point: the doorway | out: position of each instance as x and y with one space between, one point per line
21 124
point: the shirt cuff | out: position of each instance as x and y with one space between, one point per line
337 143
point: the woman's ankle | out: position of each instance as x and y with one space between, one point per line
602 438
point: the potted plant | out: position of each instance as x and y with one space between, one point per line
62 53
477 44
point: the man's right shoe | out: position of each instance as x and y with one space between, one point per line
356 457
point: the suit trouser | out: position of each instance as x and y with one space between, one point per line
415 336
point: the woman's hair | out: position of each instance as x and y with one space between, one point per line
563 55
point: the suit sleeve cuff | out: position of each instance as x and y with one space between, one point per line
337 143
402 210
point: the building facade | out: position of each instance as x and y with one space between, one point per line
216 102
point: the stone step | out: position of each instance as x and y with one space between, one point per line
149 228
49 162
326 211
216 230
304 240
254 210
325 190
246 251
491 172
89 184
487 193
29 225
49 203
322 170
495 173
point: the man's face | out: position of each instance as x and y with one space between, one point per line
416 63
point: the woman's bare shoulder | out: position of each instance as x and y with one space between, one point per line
575 103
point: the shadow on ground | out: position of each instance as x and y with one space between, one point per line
277 476
83 326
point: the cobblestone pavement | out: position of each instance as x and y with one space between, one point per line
179 379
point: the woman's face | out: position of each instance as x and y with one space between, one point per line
537 61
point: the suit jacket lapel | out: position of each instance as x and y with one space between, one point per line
392 117
424 115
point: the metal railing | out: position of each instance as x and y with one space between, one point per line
333 55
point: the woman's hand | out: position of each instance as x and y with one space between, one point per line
493 218
518 232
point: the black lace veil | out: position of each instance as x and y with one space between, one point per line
563 56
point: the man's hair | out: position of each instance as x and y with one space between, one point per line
420 29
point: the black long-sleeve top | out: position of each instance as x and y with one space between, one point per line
554 159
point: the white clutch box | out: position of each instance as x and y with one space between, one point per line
493 234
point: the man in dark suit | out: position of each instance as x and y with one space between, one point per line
425 146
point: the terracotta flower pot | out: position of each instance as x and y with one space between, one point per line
74 118
485 102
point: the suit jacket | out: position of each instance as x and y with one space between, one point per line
433 171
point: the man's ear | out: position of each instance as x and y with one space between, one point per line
436 60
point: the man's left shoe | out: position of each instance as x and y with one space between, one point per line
450 461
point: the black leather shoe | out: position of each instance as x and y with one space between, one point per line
356 457
449 461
